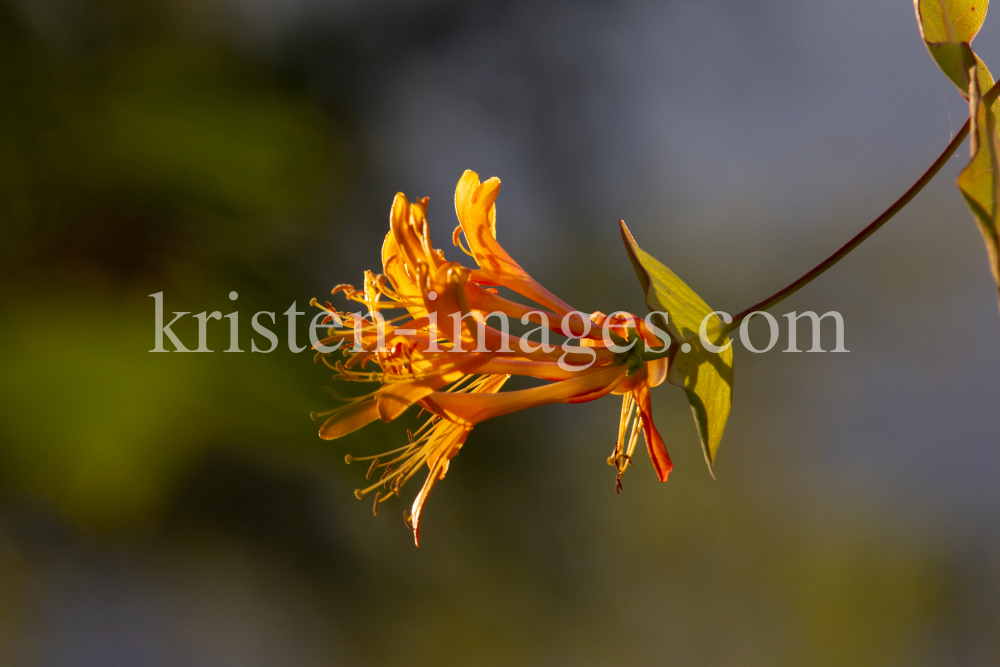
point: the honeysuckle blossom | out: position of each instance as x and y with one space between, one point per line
439 354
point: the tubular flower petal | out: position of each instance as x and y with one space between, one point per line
473 409
477 215
440 354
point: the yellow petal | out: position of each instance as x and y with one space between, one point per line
394 399
409 227
474 204
453 437
436 473
348 419
657 369
405 284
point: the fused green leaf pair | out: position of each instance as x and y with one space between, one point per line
948 28
705 376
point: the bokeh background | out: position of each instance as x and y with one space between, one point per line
168 509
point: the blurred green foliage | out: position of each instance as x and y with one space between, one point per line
156 163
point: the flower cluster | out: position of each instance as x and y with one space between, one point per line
455 373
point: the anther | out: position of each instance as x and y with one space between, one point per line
378 496
371 468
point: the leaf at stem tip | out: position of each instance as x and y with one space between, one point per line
980 180
706 377
948 27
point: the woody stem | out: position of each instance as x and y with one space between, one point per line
861 236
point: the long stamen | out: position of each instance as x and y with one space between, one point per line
457 387
427 424
621 458
411 458
626 416
351 459
394 295
636 428
483 379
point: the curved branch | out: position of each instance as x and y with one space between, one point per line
861 236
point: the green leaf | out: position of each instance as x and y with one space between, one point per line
706 377
983 76
948 27
955 59
980 180
950 20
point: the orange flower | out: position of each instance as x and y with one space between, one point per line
455 371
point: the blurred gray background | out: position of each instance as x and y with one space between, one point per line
180 510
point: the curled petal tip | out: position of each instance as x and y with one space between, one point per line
414 526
